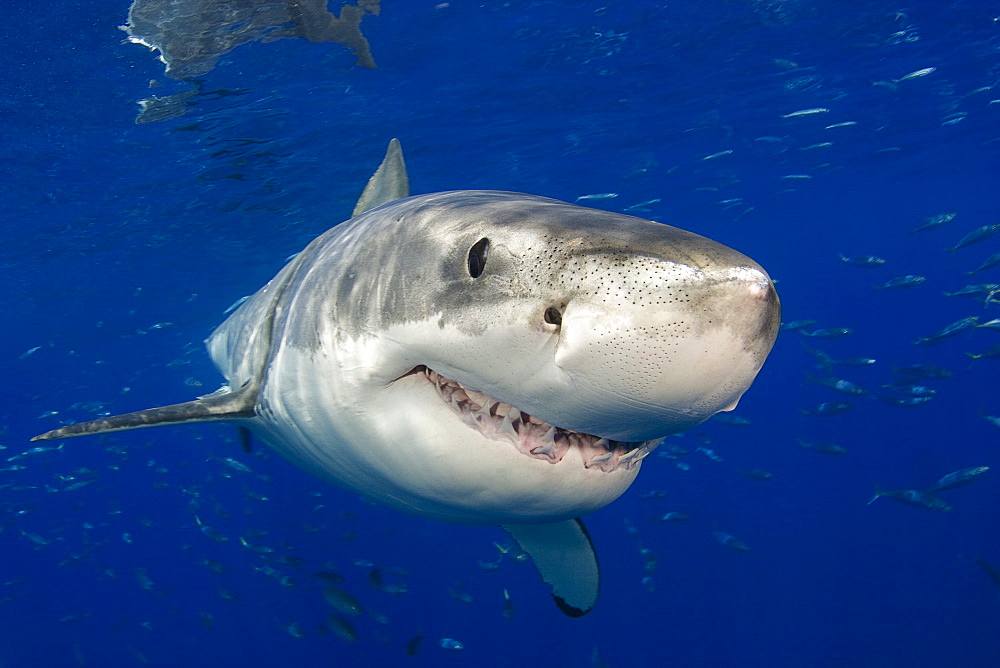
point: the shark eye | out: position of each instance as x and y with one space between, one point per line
477 257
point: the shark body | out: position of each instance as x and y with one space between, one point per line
487 357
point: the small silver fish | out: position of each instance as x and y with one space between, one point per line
730 541
828 332
341 627
991 353
906 401
855 361
974 290
823 359
597 196
862 260
824 448
827 408
988 263
236 304
913 497
951 330
642 206
507 608
33 451
34 538
797 324
256 549
236 465
935 221
708 452
807 112
917 74
911 390
914 372
840 385
342 602
957 479
213 534
294 629
975 236
907 281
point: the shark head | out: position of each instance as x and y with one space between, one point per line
487 357
491 357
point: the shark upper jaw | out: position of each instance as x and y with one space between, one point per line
529 435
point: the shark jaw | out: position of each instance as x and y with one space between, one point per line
531 436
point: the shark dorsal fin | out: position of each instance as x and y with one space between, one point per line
388 183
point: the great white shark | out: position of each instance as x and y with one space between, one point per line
487 357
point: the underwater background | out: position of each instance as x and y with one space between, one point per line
799 132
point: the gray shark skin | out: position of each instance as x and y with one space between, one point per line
487 357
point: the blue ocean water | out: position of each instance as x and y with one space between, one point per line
793 131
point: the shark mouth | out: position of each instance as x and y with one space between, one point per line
537 439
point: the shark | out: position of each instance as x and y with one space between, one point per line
486 358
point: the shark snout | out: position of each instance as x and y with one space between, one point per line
650 366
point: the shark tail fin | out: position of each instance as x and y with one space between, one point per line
565 558
221 405
389 182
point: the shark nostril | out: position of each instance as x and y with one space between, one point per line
553 316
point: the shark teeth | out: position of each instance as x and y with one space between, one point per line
532 436
507 429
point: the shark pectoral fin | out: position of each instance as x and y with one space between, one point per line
216 406
389 182
565 558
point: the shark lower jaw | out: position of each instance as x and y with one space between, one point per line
529 435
